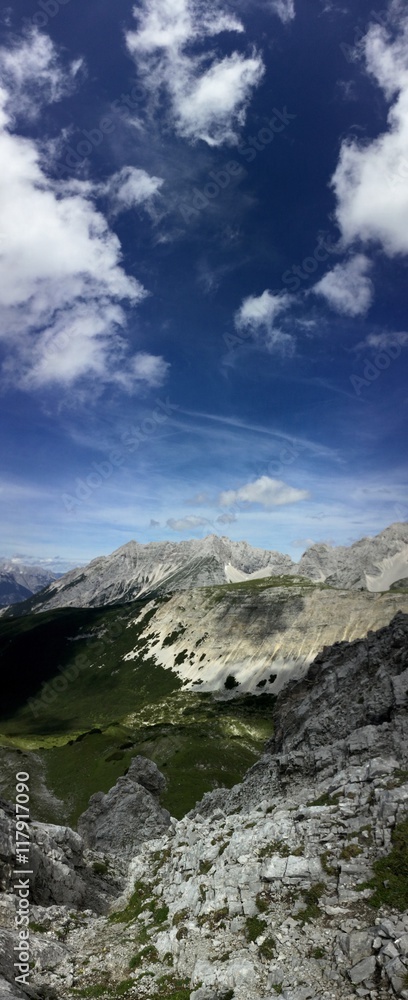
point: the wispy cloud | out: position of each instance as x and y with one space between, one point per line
285 9
347 288
129 188
33 75
208 100
259 312
189 523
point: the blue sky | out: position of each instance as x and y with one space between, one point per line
203 270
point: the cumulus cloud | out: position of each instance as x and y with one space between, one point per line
130 187
226 519
370 181
285 9
63 288
259 312
32 75
347 287
208 100
264 491
186 523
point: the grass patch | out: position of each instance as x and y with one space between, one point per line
317 953
174 636
179 917
326 864
138 901
350 851
214 919
171 988
312 909
325 800
389 883
100 867
254 927
148 954
267 949
275 847
204 867
262 902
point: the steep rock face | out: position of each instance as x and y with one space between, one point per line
371 563
130 813
351 706
262 635
63 872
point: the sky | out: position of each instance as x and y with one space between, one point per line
203 272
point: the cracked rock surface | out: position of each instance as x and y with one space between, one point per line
271 888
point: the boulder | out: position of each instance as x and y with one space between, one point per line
129 814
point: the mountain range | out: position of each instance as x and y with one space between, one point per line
19 582
138 570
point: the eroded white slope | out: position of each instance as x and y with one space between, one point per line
263 636
390 570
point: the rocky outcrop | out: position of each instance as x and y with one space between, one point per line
130 813
64 872
290 884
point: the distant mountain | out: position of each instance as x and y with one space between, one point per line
137 570
373 564
19 582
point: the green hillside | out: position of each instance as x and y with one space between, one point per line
81 711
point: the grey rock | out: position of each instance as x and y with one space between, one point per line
63 872
362 971
119 822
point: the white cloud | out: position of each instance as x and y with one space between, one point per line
380 341
264 491
148 368
208 101
187 523
259 312
347 288
226 519
370 181
62 284
285 9
32 74
130 187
